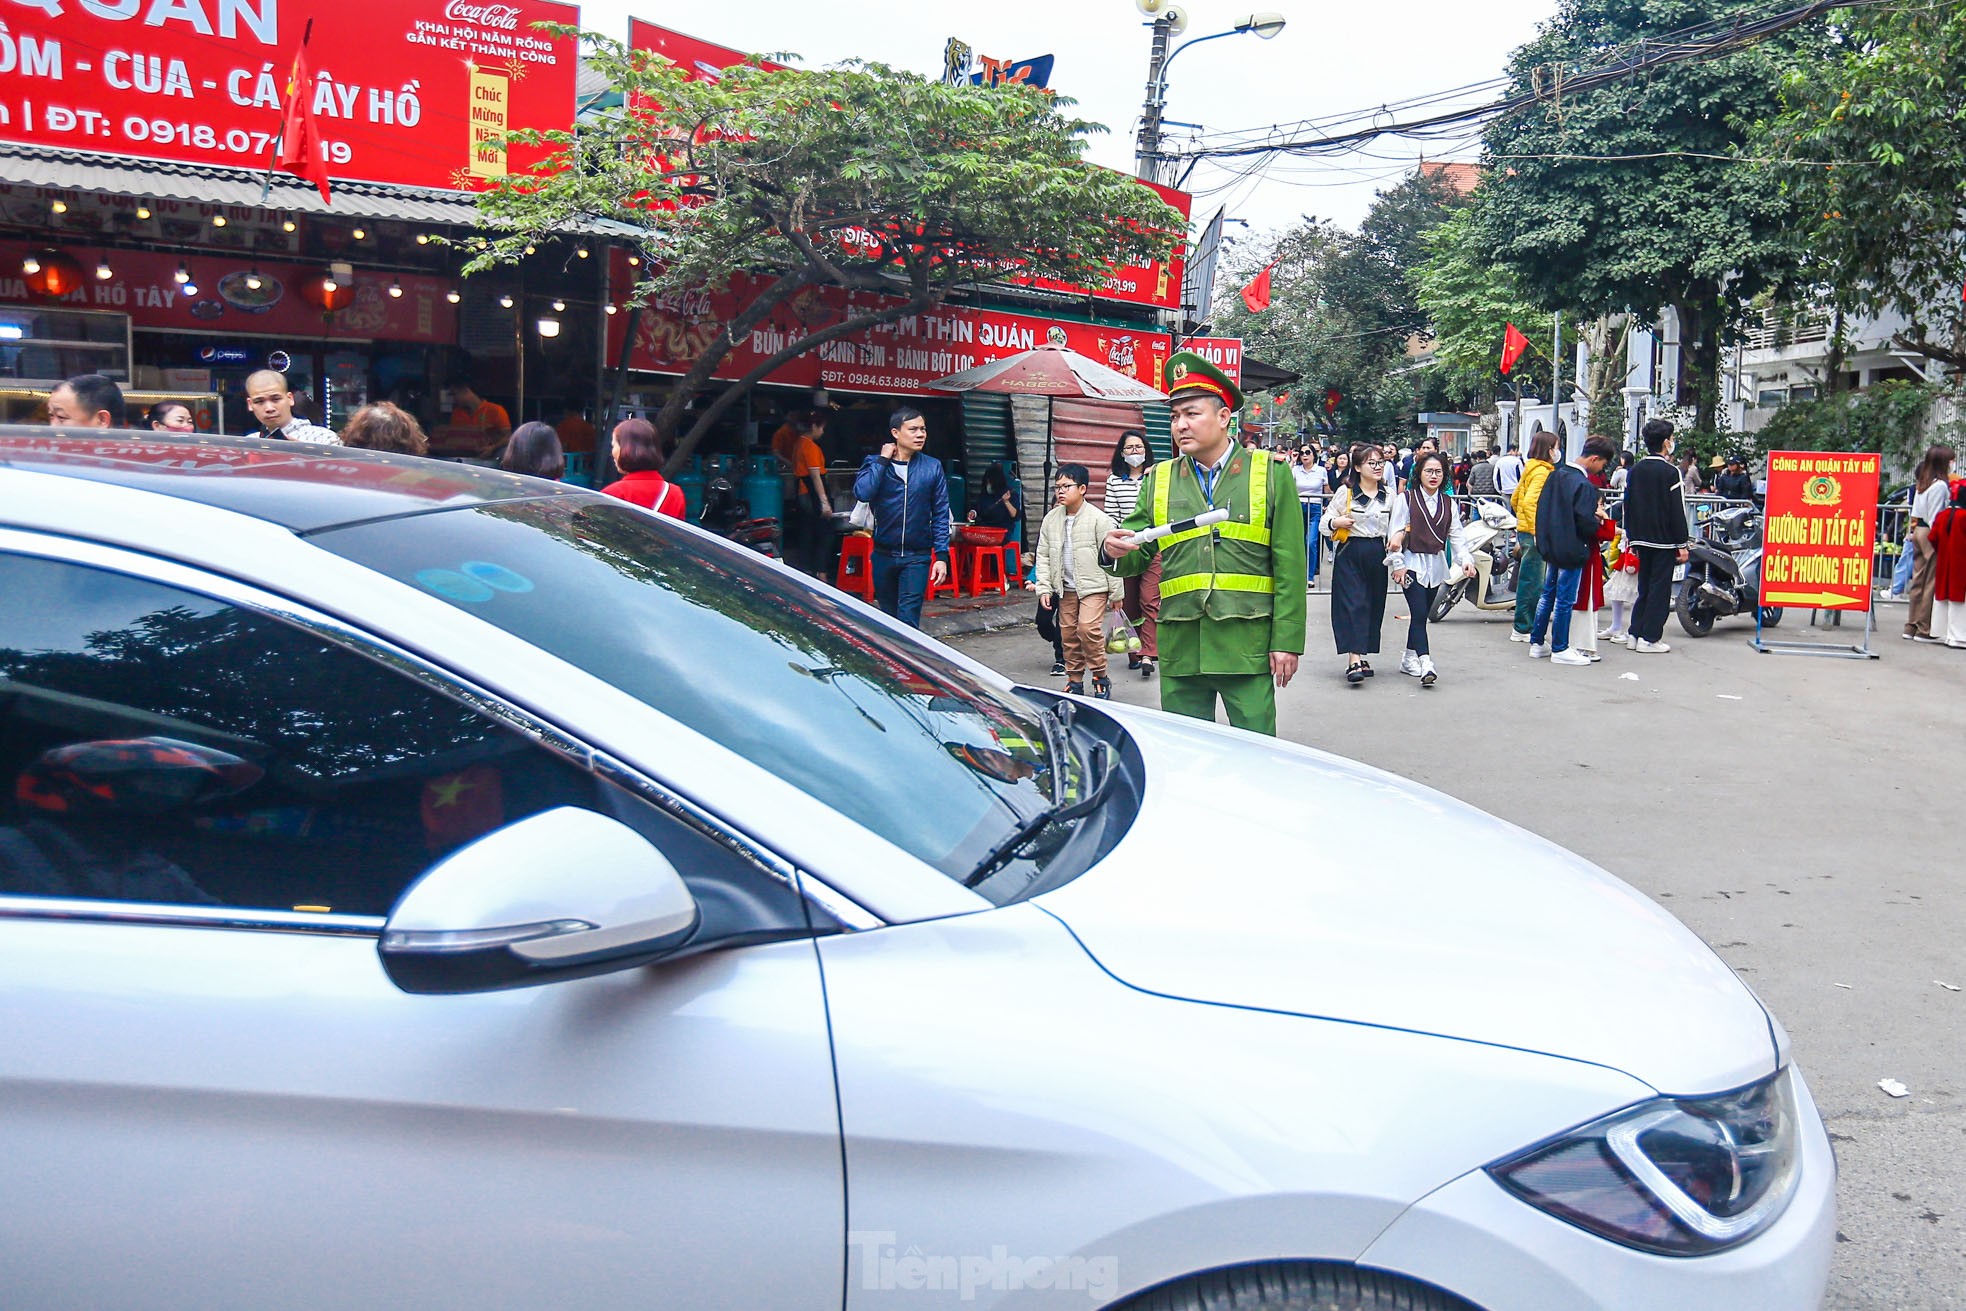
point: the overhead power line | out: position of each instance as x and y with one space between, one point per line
1549 83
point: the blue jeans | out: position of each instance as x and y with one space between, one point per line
1559 595
900 583
1313 515
1901 573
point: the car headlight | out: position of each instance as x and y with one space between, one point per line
1680 1177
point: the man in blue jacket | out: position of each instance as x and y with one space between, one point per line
1567 515
910 498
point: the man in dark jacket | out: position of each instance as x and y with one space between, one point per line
910 497
1567 515
1734 482
1655 525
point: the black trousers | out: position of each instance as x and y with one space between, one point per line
1358 595
1654 603
1419 605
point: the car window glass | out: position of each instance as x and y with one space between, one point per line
884 728
157 745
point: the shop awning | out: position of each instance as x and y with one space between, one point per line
1258 376
117 175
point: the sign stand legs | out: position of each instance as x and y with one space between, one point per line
1860 652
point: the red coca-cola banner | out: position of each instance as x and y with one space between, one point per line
704 59
414 92
904 356
144 286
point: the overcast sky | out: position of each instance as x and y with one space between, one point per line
1332 58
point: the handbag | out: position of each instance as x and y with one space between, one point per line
1047 622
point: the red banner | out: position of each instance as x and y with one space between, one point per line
1225 353
1819 530
1158 283
704 59
407 91
144 286
899 357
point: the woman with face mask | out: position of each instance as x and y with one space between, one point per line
1141 601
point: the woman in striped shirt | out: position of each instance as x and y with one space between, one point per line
1142 600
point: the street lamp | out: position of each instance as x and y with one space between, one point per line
1169 22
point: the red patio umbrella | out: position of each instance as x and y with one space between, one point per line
1050 371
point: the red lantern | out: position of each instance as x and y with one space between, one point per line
326 294
58 277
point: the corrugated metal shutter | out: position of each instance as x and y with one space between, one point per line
1160 434
986 432
1085 432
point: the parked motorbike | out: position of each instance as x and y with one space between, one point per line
1491 541
729 515
1723 573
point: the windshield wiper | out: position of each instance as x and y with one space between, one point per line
1020 837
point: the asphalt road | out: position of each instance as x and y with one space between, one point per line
1799 813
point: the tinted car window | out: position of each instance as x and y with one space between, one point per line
905 741
157 745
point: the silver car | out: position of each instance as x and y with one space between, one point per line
424 886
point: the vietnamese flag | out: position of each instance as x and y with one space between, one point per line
1257 294
302 152
1513 345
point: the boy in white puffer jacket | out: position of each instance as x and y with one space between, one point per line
1071 580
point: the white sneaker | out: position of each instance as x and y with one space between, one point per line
1572 656
1651 647
1609 635
1537 652
1595 657
1427 674
1631 642
1410 664
1518 637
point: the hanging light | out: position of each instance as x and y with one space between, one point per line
396 289
581 251
191 289
183 274
31 265
328 292
253 281
143 213
218 220
612 309
360 234
531 249
506 300
287 224
549 327
103 272
423 238
559 306
634 261
453 296
329 285
58 207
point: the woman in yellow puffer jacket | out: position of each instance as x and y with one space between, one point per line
1536 471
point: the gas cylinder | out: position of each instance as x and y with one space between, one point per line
692 482
763 488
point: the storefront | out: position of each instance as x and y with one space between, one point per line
140 235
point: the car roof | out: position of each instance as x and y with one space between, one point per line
299 485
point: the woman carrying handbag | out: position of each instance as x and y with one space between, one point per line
1359 520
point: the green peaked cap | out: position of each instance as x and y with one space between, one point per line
1188 372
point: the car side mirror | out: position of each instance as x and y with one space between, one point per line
563 894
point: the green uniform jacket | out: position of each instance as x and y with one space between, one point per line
1213 630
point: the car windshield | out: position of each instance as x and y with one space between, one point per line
881 727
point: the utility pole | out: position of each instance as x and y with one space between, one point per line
1146 159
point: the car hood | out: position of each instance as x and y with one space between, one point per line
1265 875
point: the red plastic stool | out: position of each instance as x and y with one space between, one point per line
1000 571
948 586
856 572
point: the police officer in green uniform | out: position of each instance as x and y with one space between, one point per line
1232 595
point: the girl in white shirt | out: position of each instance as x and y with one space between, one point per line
1427 549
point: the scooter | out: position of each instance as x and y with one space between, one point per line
1723 573
1491 540
727 515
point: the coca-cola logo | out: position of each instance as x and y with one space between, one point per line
500 16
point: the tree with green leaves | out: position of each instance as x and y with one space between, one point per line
1469 301
1344 307
1878 133
1637 195
859 177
